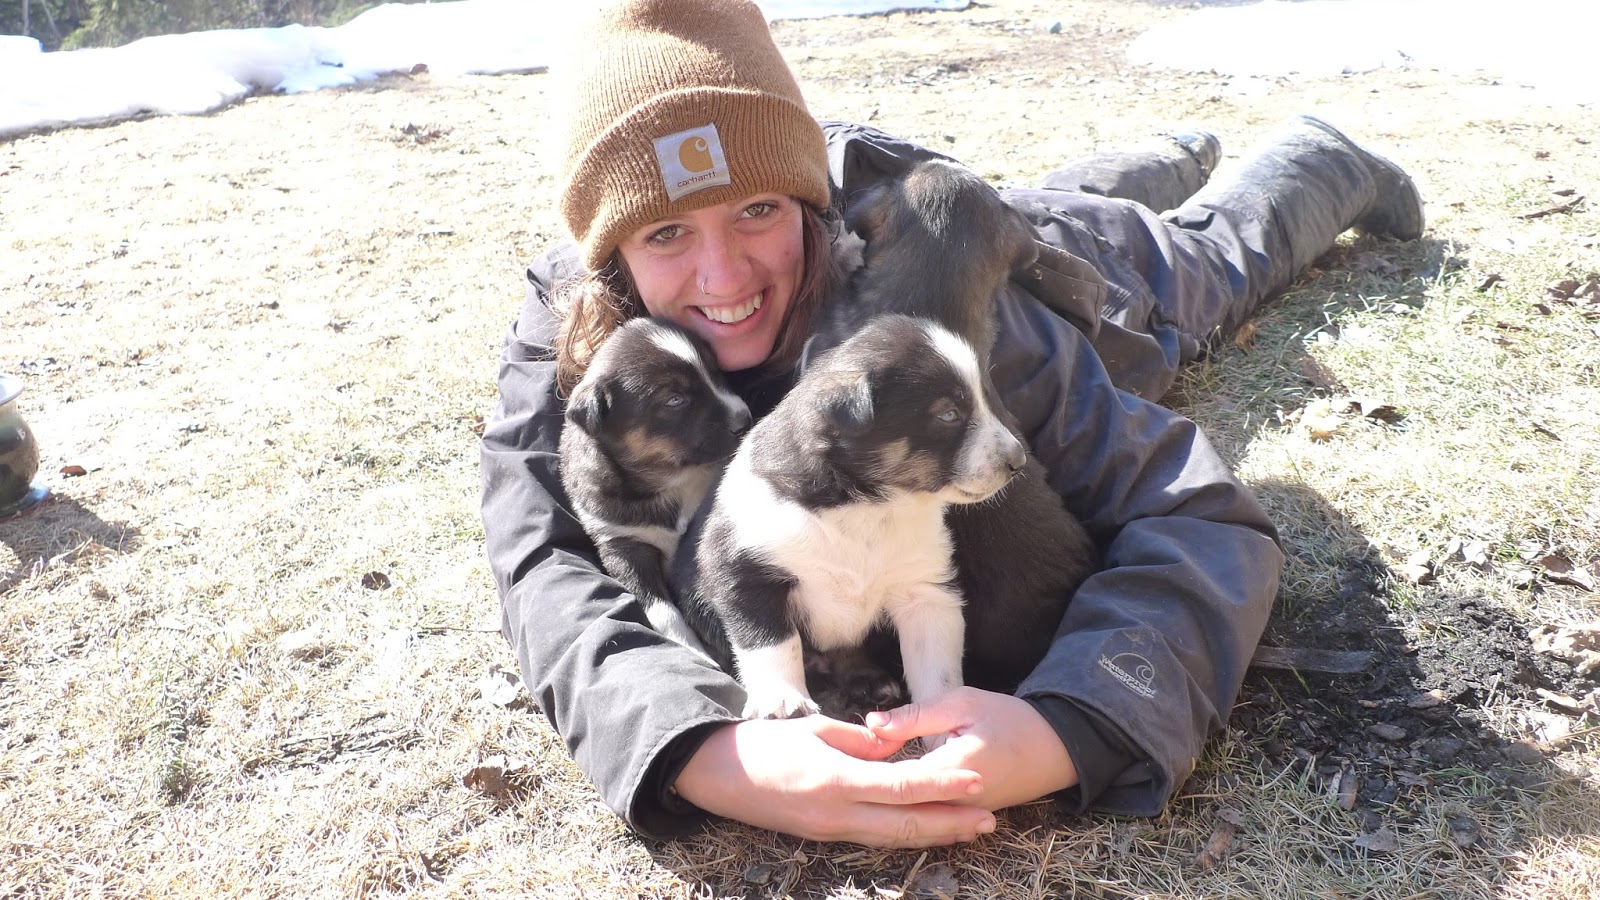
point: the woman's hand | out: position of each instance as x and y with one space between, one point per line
825 780
1001 737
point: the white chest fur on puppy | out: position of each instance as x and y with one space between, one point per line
830 519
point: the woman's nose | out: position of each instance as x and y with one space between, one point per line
723 269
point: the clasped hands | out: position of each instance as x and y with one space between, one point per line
827 780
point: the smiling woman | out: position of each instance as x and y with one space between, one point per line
698 189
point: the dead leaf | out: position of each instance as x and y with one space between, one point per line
500 687
375 581
1476 554
1559 569
1578 645
1320 420
1428 700
1464 831
1418 568
1384 840
1372 408
1245 337
73 471
1564 289
1489 281
1525 753
1368 261
936 882
498 777
1549 728
1565 702
1521 577
1219 845
1387 731
1348 786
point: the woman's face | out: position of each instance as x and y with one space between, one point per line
727 273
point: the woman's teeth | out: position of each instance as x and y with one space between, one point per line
729 315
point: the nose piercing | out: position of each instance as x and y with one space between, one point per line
703 290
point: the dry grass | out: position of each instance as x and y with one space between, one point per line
268 335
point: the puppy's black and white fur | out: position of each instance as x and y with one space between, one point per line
941 243
830 519
647 432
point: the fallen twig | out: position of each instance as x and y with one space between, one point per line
1306 659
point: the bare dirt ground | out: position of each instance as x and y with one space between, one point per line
250 648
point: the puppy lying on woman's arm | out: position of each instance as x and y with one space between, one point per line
647 432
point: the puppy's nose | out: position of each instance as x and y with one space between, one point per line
1016 457
739 422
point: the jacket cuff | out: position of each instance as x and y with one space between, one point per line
1099 750
658 811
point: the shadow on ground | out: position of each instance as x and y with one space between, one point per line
59 527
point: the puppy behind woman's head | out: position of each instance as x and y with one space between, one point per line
939 243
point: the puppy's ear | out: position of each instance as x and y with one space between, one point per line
808 353
589 406
866 210
848 405
1021 240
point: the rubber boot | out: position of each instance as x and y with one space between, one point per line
1159 175
1303 185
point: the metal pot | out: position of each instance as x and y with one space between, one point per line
19 454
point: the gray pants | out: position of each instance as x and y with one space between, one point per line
1186 263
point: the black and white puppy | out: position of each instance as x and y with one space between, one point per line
941 243
829 521
647 432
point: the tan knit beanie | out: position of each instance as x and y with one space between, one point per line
674 105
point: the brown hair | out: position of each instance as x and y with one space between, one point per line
593 305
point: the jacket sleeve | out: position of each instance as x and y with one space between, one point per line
1157 642
631 705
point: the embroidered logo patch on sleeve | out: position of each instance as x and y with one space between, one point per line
692 160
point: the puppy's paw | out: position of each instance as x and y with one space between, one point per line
778 704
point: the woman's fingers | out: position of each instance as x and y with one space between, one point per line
942 714
855 740
906 783
930 825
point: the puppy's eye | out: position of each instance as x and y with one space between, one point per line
946 411
674 401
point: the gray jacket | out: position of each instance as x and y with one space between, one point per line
1148 658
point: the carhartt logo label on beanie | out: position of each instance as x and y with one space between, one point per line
692 160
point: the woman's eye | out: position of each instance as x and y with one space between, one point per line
757 210
675 400
665 235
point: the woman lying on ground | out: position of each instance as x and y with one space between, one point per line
1152 649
